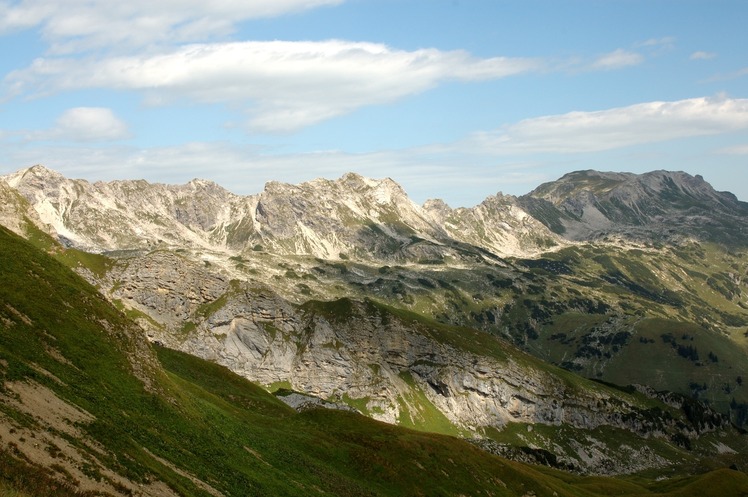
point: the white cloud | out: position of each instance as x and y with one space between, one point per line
618 59
85 124
281 85
657 46
728 76
621 57
664 42
700 55
74 25
614 128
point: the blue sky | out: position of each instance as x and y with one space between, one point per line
455 99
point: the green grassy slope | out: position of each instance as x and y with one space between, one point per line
673 319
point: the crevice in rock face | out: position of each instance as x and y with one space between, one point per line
439 387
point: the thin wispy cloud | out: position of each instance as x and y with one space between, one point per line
650 122
621 57
657 46
740 73
664 42
618 59
735 150
278 86
282 86
700 55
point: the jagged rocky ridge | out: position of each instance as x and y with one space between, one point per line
374 219
353 216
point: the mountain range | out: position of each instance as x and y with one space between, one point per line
597 324
374 219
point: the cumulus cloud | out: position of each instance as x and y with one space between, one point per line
75 25
281 85
85 124
700 55
614 128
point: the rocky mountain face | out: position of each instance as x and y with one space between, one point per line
402 369
499 225
659 205
18 215
349 291
351 217
375 220
125 215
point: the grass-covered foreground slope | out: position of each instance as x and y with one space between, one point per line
88 408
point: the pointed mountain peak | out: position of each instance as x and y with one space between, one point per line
352 177
200 182
33 173
204 185
40 170
38 175
358 182
391 184
436 204
273 185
